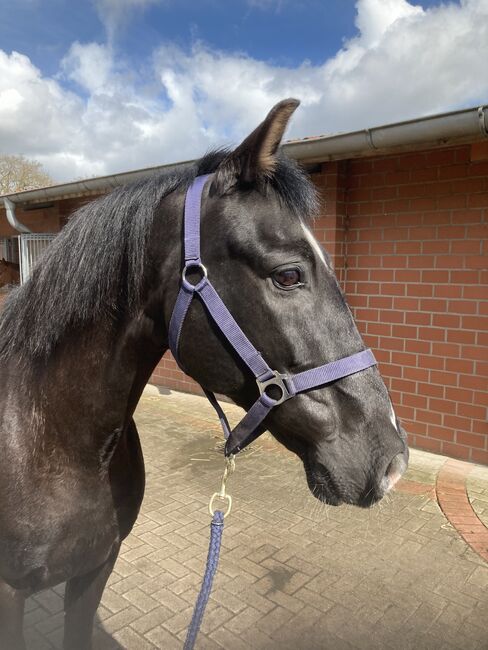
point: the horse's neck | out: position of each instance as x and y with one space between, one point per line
96 376
94 380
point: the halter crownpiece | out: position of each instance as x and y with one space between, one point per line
251 425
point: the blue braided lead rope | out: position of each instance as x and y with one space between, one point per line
216 529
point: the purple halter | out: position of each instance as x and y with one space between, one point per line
249 427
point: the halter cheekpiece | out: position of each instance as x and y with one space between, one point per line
286 386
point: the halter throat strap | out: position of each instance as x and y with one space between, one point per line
284 386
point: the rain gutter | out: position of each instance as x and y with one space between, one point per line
445 129
96 185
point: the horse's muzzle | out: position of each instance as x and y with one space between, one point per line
394 471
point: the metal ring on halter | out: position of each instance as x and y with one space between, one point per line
277 380
224 497
198 266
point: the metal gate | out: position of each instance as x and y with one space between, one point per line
30 247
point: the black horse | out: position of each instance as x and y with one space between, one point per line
79 340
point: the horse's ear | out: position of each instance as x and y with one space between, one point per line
256 155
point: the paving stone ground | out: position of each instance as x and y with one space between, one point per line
294 574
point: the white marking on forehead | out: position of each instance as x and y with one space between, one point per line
314 243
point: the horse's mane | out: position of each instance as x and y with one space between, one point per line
94 269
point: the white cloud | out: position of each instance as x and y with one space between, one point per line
90 65
404 62
375 17
38 116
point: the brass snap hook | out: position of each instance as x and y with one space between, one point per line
230 466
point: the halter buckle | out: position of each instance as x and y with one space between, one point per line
280 380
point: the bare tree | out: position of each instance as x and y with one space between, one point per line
18 173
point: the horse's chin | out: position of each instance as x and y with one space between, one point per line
319 480
324 496
328 486
321 485
330 490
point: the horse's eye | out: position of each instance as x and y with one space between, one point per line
287 278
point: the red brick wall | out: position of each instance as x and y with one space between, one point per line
417 279
169 375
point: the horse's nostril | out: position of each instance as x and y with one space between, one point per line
394 471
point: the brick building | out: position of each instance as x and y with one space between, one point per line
405 214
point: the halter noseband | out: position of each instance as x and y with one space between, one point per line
250 427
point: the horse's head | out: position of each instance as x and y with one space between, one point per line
280 287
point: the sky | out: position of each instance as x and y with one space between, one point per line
94 87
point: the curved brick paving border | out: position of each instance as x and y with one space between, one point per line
453 499
477 488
